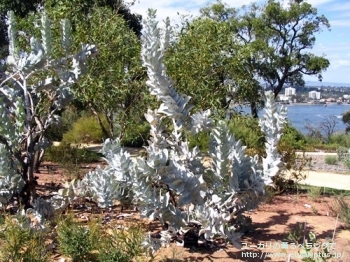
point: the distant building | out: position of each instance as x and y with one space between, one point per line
283 98
315 95
289 91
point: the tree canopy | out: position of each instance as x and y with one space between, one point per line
257 43
289 33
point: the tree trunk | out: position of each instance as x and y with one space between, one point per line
253 109
39 155
104 130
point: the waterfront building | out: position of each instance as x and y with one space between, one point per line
315 95
289 91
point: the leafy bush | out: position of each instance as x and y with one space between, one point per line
292 138
247 130
314 193
74 240
67 154
136 136
68 117
123 245
85 130
201 140
346 120
97 242
340 139
290 142
20 243
331 160
342 153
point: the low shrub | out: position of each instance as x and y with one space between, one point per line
123 245
74 240
340 139
247 130
331 160
20 242
97 242
85 130
314 193
68 117
66 153
292 138
342 208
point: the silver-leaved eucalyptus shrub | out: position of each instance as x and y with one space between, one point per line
171 183
35 87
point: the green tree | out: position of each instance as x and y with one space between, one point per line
21 9
78 10
203 62
114 88
289 34
346 120
255 43
242 23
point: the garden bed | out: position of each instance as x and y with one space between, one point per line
272 222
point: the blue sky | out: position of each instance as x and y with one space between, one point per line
334 44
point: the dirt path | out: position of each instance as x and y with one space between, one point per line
323 179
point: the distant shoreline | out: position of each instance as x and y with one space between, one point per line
308 104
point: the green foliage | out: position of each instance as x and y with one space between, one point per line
244 128
296 233
136 135
79 9
271 40
123 245
340 140
114 86
300 234
97 242
307 251
74 240
85 130
291 138
294 163
66 153
247 130
201 61
314 193
295 26
21 243
346 120
331 160
201 140
69 116
342 152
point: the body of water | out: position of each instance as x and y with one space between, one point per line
301 115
